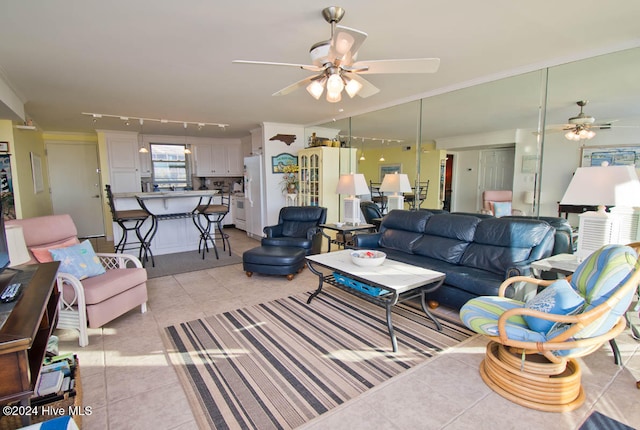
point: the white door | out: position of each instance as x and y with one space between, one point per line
75 185
496 170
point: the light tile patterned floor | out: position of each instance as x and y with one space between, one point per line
129 384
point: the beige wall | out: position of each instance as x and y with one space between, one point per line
21 144
429 167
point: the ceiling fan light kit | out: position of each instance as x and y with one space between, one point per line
334 59
581 123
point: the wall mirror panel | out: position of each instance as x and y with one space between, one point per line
611 86
520 118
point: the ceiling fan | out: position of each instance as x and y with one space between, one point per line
582 126
334 62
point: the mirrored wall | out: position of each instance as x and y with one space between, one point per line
506 134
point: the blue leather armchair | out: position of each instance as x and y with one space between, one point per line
298 227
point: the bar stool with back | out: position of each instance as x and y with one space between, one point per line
130 221
208 219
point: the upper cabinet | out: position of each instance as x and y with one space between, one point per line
218 159
124 163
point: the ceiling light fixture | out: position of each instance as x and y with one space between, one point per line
335 82
580 132
200 125
186 147
143 149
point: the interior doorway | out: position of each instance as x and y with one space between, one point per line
75 185
496 170
448 181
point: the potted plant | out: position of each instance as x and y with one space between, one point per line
290 179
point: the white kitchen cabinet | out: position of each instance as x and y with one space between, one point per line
215 159
203 159
124 162
235 160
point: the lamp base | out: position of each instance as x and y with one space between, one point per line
351 210
395 202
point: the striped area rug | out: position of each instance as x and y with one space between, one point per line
282 363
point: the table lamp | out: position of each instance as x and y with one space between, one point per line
18 253
603 186
352 185
396 183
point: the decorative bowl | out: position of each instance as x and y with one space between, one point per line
339 224
366 258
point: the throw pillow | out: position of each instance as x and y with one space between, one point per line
79 260
501 209
558 298
43 255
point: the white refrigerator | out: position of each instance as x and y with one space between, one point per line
254 195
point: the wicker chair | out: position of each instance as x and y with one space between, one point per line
530 358
92 301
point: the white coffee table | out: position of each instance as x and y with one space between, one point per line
399 281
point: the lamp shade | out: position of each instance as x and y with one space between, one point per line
18 253
395 183
603 186
353 184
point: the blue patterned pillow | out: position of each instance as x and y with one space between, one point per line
558 298
79 260
501 209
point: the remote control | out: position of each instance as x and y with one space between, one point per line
11 292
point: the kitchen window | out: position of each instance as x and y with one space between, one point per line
170 166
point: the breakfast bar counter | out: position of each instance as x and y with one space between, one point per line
172 211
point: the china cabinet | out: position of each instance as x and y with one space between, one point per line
319 172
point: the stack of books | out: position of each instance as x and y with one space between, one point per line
56 376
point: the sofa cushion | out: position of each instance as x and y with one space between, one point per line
112 283
482 313
401 229
501 244
446 237
287 241
297 228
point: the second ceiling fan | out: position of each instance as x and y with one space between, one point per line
334 62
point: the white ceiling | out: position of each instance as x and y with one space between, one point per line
173 60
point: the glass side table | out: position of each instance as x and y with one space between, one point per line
564 264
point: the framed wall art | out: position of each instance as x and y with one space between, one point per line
623 155
4 147
278 162
6 188
36 170
389 168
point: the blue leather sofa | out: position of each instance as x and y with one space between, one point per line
476 254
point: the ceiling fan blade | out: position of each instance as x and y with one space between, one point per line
309 67
291 88
368 89
345 44
410 65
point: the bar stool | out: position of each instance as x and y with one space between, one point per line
208 219
130 220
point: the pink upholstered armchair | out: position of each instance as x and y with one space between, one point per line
93 301
498 203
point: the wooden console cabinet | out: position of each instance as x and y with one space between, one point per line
25 333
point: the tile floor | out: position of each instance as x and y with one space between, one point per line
129 384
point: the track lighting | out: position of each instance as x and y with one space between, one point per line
127 119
